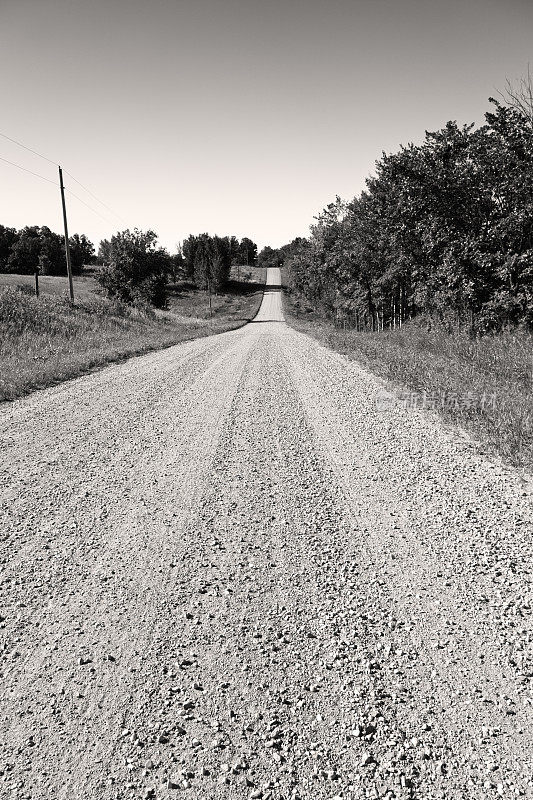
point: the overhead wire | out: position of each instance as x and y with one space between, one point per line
54 183
28 170
93 195
88 206
29 149
40 155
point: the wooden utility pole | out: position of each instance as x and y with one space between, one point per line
67 246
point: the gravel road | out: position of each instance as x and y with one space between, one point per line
229 572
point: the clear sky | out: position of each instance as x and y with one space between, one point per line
240 117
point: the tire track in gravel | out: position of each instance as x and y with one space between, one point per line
271 693
94 549
447 534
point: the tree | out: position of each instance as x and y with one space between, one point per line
104 252
268 257
8 238
52 253
177 264
136 270
443 228
248 252
202 247
221 261
519 95
189 255
233 246
24 256
81 251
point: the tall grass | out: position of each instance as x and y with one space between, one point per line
484 384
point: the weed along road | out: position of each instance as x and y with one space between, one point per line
236 568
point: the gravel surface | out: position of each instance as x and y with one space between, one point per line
228 574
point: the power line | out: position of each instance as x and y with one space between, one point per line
36 174
29 149
93 195
88 206
28 170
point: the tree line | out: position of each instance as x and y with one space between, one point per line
444 228
136 270
33 247
132 266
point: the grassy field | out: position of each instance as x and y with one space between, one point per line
44 340
85 288
485 385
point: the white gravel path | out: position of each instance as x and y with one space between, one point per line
227 574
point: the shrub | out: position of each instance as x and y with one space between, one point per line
136 271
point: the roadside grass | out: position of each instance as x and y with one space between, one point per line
45 340
85 287
485 384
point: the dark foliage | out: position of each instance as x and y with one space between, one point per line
207 259
81 251
8 238
135 270
276 257
35 247
443 229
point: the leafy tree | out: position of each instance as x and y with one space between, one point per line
207 259
221 264
234 249
268 257
52 260
24 256
8 238
276 257
136 270
37 247
104 252
189 255
177 264
445 228
202 246
248 251
81 251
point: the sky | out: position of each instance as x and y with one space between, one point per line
241 117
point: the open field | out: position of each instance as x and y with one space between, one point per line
188 301
44 340
484 385
85 287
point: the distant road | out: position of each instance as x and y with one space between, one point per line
236 568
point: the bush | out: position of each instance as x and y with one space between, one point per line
135 270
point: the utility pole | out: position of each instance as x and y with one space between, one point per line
67 246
